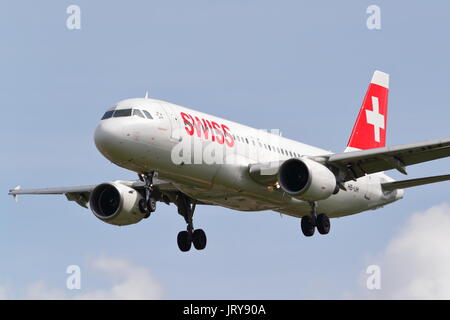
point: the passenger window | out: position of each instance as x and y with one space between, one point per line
107 115
138 113
149 116
122 113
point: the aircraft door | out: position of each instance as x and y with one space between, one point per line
176 126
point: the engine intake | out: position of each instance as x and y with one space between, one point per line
306 179
116 204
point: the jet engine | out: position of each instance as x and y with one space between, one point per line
306 179
116 204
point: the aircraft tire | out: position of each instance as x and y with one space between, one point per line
152 205
184 241
199 239
142 206
323 223
307 225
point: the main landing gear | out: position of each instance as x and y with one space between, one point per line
309 223
186 208
185 239
148 204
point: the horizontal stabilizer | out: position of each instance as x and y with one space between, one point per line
414 182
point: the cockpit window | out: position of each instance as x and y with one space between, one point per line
126 113
107 115
122 113
137 112
149 116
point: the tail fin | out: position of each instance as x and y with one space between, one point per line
369 130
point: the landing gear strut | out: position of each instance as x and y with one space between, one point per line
310 222
185 239
147 205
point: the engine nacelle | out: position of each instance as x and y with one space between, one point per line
116 204
306 179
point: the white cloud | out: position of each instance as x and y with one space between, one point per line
134 282
129 281
40 291
416 262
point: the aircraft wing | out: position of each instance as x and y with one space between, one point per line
355 164
81 194
389 186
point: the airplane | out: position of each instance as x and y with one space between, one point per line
189 158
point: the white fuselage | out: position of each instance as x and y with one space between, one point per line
210 162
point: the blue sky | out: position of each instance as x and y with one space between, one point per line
299 66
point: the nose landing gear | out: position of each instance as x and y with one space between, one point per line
147 205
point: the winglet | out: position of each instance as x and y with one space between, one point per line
146 94
15 196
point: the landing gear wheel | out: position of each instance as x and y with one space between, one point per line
323 223
151 205
199 239
307 225
142 206
147 207
148 204
184 240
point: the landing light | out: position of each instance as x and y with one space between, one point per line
274 186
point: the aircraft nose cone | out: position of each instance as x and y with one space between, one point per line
108 138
